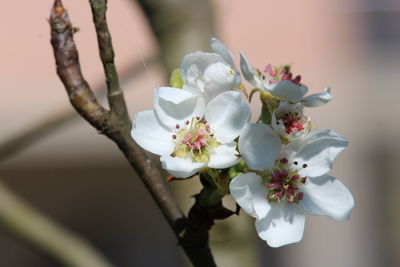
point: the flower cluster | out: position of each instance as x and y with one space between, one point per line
278 166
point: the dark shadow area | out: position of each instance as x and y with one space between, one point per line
107 206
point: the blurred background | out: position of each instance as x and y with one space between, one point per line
80 179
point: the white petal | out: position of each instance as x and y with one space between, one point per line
224 156
180 168
191 76
326 195
259 146
223 74
317 149
303 89
287 90
218 47
283 225
248 71
250 194
192 89
227 114
317 100
218 78
174 106
278 125
279 128
286 107
148 132
201 59
213 89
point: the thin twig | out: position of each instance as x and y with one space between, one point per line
36 228
115 96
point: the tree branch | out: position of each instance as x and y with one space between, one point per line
68 69
206 209
16 143
115 95
116 125
29 224
112 124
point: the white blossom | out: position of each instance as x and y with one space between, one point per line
187 133
209 74
289 182
280 83
289 122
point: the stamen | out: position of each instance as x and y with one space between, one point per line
295 177
195 141
284 182
278 195
273 75
283 173
283 160
297 80
292 122
300 196
272 185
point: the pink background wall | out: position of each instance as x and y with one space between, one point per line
338 43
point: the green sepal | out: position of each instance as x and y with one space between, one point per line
265 116
237 169
176 79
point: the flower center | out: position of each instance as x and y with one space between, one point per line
194 139
274 74
294 121
284 181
